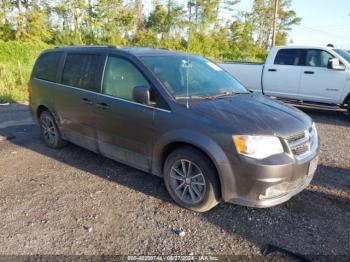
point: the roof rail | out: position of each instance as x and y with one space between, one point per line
82 46
113 46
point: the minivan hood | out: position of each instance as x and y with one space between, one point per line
253 114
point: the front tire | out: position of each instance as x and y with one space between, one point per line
49 131
191 180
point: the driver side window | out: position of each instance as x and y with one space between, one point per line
317 58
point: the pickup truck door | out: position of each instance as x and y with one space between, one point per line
281 77
318 82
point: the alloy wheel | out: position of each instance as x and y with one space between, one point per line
48 129
187 181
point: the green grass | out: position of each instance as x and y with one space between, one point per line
16 62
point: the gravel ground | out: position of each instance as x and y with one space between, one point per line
72 201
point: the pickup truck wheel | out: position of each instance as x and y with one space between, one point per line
191 180
49 131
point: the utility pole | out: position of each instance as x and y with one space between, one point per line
274 30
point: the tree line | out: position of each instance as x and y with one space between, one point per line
214 28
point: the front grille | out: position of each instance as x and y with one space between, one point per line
295 138
300 150
300 144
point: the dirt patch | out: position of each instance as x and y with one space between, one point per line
72 201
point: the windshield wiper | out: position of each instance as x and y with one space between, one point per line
221 95
224 94
190 97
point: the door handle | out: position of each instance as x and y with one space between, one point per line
272 70
102 106
87 101
309 72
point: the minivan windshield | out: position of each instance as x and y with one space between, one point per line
193 77
344 54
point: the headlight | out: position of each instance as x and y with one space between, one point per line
314 129
258 147
314 136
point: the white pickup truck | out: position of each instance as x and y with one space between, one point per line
305 75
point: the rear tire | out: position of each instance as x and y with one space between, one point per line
191 179
49 131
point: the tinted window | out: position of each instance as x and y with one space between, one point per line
47 65
317 58
192 76
81 70
289 57
121 77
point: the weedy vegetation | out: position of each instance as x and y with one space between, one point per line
215 29
16 62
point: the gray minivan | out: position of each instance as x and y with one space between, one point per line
178 116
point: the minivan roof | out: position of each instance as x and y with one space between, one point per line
137 51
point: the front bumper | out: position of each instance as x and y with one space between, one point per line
273 181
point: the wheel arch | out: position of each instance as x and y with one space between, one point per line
43 107
40 109
200 142
172 146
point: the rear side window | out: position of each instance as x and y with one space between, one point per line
289 57
81 71
47 66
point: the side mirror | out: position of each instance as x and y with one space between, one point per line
141 95
335 64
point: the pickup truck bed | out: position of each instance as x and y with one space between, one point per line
249 74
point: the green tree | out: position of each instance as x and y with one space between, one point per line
262 19
37 22
20 19
166 20
156 18
6 31
28 19
116 20
286 19
209 27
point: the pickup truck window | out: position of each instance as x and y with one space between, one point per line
289 57
317 58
